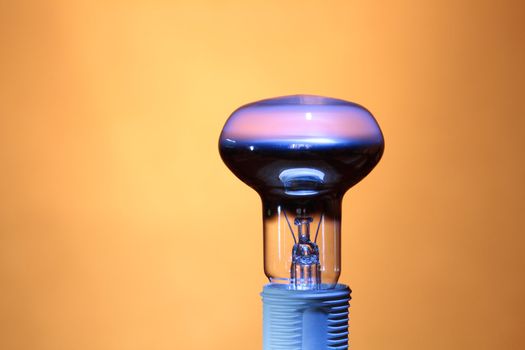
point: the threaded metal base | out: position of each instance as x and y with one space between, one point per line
305 320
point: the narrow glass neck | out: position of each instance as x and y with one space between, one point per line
302 241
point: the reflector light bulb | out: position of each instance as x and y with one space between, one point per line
301 154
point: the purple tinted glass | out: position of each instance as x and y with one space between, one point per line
301 153
301 145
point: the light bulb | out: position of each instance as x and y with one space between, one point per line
301 154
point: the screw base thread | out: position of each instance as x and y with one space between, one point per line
305 319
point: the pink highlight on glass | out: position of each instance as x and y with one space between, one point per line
302 117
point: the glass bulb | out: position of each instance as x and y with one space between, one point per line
301 154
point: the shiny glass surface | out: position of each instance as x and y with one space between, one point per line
301 154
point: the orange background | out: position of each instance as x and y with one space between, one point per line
120 228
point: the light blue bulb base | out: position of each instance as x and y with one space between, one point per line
305 319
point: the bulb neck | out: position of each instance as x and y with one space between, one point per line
302 241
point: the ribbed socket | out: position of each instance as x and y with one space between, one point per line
305 319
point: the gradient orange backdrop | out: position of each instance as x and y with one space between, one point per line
121 229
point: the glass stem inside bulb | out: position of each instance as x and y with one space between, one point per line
305 271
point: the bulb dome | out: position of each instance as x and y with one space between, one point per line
301 145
